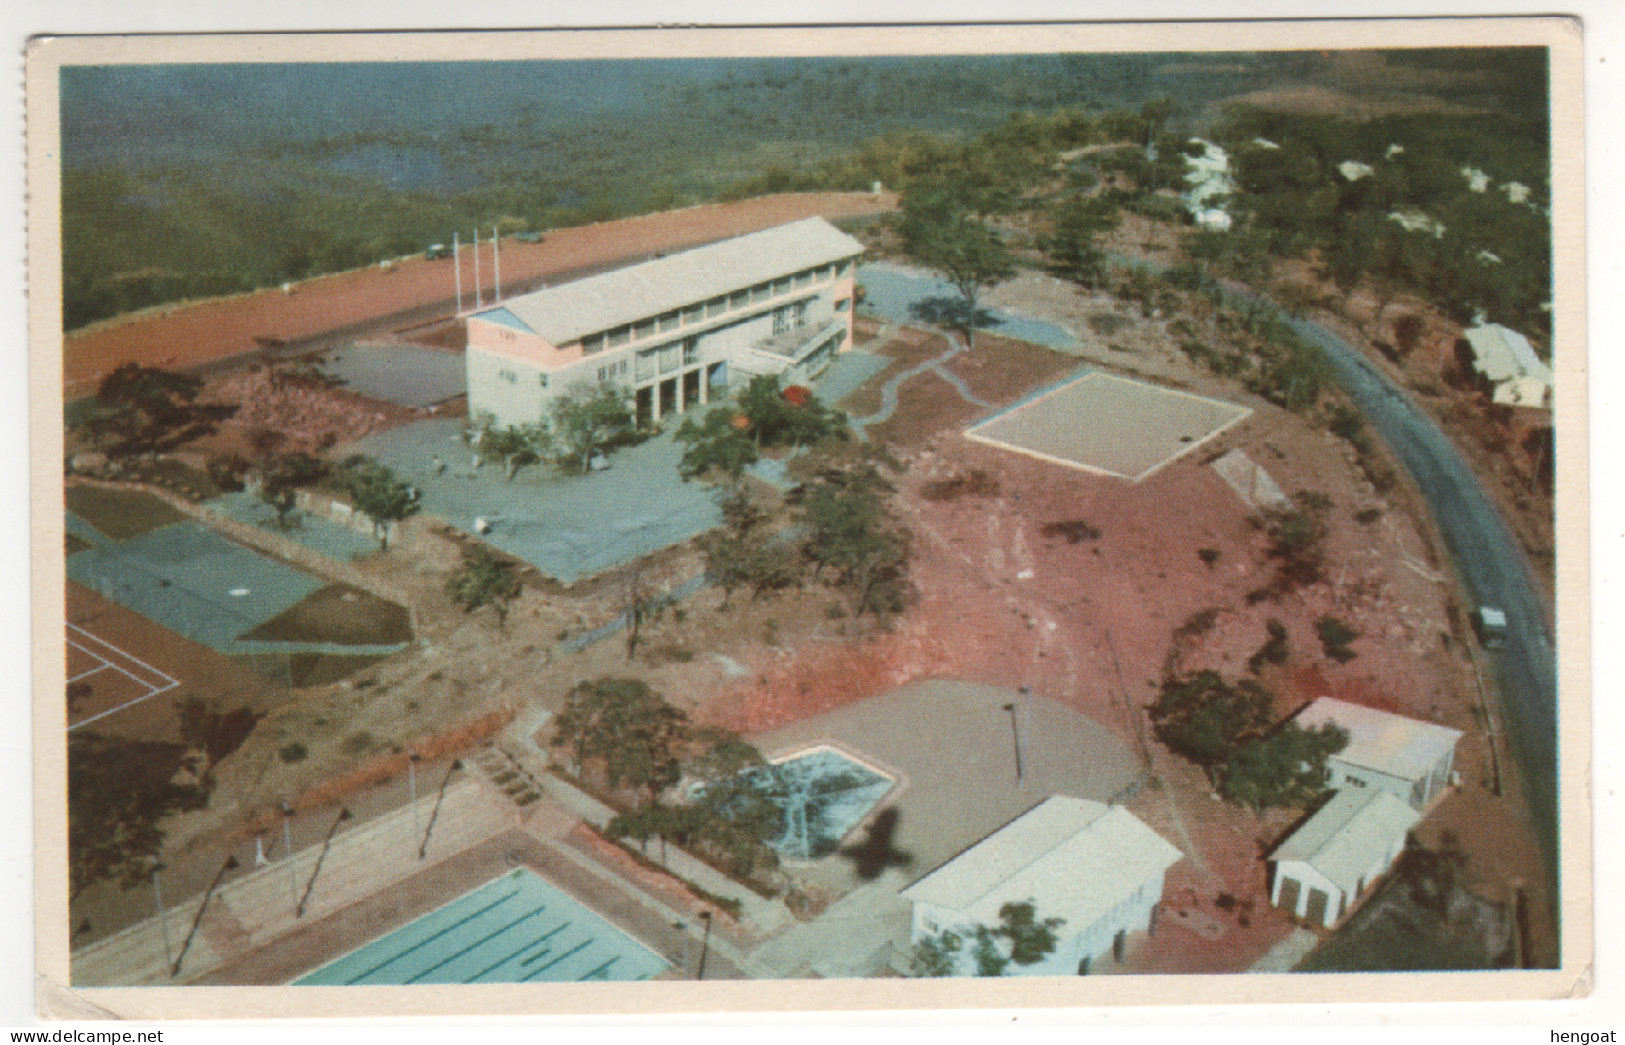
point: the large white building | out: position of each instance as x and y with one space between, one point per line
1095 866
673 331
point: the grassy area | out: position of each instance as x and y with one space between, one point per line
120 514
341 614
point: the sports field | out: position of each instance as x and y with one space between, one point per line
516 929
1109 425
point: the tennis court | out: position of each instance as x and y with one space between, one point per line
515 929
192 581
1109 425
102 678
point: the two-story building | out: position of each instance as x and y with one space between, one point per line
673 331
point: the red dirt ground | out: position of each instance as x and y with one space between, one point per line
187 334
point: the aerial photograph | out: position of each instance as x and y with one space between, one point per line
560 520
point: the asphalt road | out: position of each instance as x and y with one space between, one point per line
1489 561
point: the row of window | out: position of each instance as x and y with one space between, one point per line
717 306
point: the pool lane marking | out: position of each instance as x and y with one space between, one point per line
613 959
481 942
583 945
545 951
511 955
431 938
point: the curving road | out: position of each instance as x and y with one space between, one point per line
1489 560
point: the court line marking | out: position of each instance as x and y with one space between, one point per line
153 689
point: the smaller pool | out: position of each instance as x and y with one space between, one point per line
514 929
824 794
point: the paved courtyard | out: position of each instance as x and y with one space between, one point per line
567 526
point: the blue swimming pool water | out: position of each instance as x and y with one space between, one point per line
515 929
824 795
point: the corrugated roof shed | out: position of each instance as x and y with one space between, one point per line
1503 354
567 312
1403 747
1340 839
1075 859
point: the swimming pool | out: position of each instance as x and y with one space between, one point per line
824 794
514 929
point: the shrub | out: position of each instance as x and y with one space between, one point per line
1076 531
1335 637
291 753
1209 556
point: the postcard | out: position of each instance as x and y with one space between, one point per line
853 518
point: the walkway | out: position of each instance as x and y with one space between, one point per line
888 391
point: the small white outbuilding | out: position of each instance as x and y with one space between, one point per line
1505 359
1333 858
1098 867
1408 758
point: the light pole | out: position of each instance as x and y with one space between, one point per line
1015 735
229 865
412 783
705 944
344 814
434 814
287 850
163 921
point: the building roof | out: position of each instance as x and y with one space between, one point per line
1504 354
1340 839
567 312
1075 859
1403 747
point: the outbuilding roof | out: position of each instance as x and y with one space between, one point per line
1402 747
1075 859
1340 839
1505 354
567 312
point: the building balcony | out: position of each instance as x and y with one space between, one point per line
797 342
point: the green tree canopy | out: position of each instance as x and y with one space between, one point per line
1073 247
1286 768
941 227
1204 718
629 731
485 579
589 419
379 495
144 410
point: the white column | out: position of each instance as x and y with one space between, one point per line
705 383
654 400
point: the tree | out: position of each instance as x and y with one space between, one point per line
379 495
936 955
1019 937
854 534
629 730
515 446
940 228
1287 768
717 445
145 410
485 579
591 418
282 476
1029 939
1073 247
1204 718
